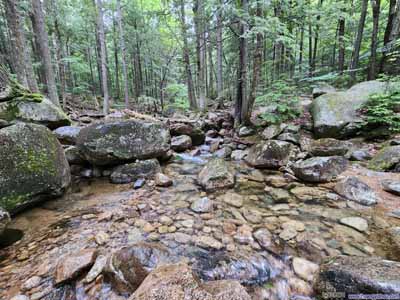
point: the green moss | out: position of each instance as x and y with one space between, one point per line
11 201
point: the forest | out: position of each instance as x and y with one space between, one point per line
199 149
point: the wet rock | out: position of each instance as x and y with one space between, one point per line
67 134
118 142
162 180
202 205
181 143
208 242
97 268
4 220
239 154
355 275
196 134
329 147
31 283
177 282
224 152
20 297
320 169
101 238
71 266
305 269
216 175
33 166
280 195
42 112
391 186
182 238
139 183
233 199
356 190
245 131
263 237
144 169
385 159
270 154
74 157
290 137
306 193
244 235
360 155
322 89
336 115
272 131
357 223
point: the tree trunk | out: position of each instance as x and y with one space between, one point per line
357 42
116 59
219 56
104 79
43 43
341 45
257 63
201 41
17 39
123 54
301 49
372 72
186 58
393 21
241 105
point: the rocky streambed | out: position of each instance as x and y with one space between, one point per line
193 209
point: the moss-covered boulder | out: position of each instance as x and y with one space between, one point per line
33 166
336 115
385 159
34 108
123 141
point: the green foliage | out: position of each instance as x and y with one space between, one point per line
177 96
382 110
283 101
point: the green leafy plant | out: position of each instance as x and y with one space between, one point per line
383 110
282 101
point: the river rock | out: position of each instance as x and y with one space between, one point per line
270 154
118 142
322 89
181 143
233 199
67 134
264 237
328 147
394 233
4 220
177 282
385 159
391 186
208 242
305 269
357 275
356 190
202 205
239 154
336 115
290 137
272 131
245 131
163 180
33 166
74 157
216 175
197 135
71 266
320 169
143 169
42 112
357 223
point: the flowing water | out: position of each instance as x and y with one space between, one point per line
39 238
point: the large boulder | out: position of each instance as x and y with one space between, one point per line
33 166
328 147
144 169
320 169
67 134
41 111
322 89
336 114
4 220
385 159
356 190
118 142
177 282
216 175
197 134
270 154
181 143
359 275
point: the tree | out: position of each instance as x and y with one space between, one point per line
42 39
372 71
219 54
123 54
103 59
357 43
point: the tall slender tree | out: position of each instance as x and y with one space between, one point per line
123 54
372 71
43 43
